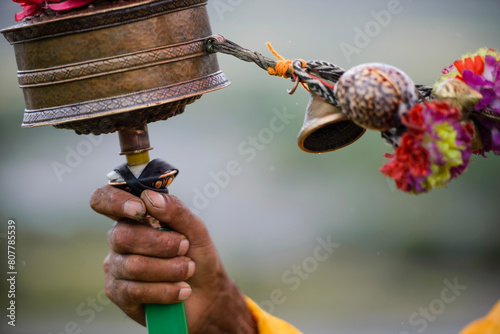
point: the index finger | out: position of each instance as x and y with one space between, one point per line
116 203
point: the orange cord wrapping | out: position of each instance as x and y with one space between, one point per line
283 66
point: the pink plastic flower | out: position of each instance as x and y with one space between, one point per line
35 7
30 8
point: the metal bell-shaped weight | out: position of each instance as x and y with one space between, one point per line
326 128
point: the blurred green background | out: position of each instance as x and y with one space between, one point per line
396 250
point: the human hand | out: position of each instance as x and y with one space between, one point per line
146 265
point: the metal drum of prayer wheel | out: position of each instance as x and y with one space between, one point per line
114 65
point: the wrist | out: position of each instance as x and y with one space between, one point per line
229 312
245 323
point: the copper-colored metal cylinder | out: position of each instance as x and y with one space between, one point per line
114 65
134 140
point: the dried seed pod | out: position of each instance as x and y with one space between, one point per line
375 95
458 94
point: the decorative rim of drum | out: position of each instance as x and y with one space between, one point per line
77 21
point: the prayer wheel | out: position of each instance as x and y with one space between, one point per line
114 64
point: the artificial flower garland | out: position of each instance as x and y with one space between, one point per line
437 144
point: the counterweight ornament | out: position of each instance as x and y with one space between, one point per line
433 131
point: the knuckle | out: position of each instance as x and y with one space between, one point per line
133 266
113 264
112 289
177 208
109 286
119 236
180 269
106 264
95 199
175 204
110 235
168 242
132 291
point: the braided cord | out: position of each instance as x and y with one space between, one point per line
316 83
233 49
319 76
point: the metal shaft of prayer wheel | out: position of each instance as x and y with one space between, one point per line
114 66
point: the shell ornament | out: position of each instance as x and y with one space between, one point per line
375 96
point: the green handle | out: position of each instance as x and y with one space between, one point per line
166 318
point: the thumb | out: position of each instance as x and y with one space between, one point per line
169 210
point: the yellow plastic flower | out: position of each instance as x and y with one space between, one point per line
450 152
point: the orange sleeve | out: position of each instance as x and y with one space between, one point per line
490 324
268 324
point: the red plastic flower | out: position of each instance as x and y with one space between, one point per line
414 119
408 164
475 65
434 149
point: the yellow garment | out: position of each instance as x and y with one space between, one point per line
267 324
490 324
